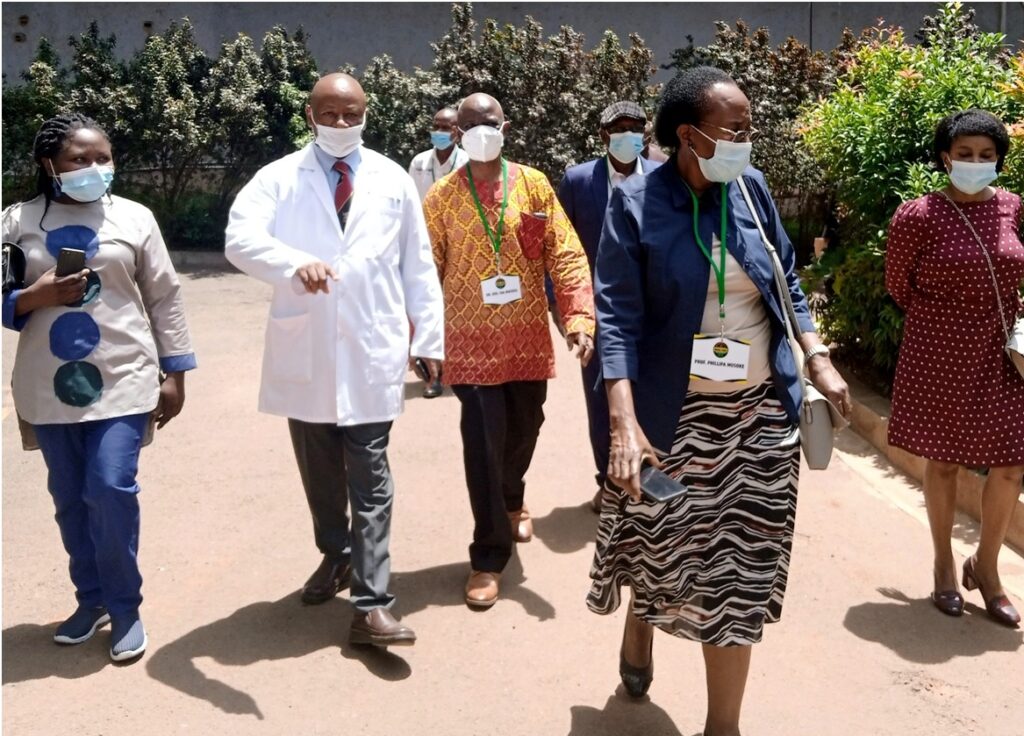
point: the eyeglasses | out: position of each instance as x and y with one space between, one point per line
736 136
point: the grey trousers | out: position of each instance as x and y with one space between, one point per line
349 465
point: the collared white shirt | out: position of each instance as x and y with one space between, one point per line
615 179
426 169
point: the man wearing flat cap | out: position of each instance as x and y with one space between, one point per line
584 194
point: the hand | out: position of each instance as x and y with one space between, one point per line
314 276
585 345
172 398
49 290
826 379
434 366
629 450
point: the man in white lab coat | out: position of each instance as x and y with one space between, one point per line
337 230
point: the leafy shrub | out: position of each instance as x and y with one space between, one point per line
551 89
872 137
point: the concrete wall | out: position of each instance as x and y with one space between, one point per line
348 32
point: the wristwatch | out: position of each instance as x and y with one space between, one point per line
819 349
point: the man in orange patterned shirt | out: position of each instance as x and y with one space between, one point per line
495 226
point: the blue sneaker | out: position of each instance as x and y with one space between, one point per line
128 637
81 625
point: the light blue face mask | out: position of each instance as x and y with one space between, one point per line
441 139
84 185
625 147
970 177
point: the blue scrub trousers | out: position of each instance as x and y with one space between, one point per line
92 468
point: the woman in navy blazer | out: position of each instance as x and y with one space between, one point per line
711 564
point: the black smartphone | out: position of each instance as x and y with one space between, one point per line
422 369
69 261
658 486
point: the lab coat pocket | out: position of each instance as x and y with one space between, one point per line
389 351
290 348
532 230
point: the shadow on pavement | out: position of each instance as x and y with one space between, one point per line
285 629
267 630
29 653
916 632
567 529
622 716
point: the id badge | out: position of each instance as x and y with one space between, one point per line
501 289
717 358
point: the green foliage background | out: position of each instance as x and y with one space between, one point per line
846 134
188 130
872 138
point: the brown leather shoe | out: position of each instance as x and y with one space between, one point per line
325 583
522 525
379 628
482 589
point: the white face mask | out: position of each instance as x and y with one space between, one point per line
483 143
970 177
728 161
339 142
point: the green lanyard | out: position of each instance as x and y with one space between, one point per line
494 237
718 268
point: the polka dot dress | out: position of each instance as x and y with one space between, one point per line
956 397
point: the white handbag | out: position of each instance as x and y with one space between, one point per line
1014 347
820 419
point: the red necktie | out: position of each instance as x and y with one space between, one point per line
343 192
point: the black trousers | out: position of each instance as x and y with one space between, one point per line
500 425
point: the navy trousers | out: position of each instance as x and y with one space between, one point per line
91 477
597 415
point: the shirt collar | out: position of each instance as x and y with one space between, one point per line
327 161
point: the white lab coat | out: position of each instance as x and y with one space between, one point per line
341 357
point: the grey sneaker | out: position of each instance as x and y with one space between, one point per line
81 625
128 637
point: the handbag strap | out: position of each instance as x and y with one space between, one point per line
988 261
781 285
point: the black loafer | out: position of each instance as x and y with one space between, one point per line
331 577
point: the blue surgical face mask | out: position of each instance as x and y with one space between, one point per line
970 177
441 139
83 185
625 147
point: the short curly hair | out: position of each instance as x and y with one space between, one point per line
684 100
970 122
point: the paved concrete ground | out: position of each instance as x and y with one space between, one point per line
226 543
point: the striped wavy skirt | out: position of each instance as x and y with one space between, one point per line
710 565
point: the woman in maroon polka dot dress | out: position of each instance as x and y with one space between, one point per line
957 399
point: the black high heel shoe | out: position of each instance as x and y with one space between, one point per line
636 680
998 606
